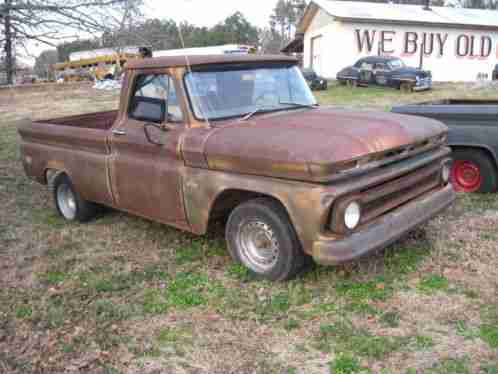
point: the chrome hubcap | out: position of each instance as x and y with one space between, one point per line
259 247
66 201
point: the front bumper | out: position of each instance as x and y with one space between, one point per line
383 231
423 84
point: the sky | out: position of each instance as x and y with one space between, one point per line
197 12
208 13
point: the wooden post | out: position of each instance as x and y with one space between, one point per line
422 49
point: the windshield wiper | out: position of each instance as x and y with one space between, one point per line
300 105
250 114
259 110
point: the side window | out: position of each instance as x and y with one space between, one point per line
365 65
381 66
155 99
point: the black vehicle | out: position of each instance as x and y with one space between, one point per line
473 137
314 80
386 71
494 74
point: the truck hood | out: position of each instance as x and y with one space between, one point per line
303 144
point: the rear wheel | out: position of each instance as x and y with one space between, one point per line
69 203
352 83
260 236
473 171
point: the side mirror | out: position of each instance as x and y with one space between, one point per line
148 109
153 133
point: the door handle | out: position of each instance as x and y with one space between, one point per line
119 132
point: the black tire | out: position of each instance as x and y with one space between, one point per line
406 87
290 259
352 83
83 211
483 161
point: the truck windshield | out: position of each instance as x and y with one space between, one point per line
221 94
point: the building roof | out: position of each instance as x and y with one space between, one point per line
296 45
174 61
403 14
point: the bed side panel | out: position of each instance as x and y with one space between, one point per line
81 152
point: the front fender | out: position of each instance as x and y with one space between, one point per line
201 188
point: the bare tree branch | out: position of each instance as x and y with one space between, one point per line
49 21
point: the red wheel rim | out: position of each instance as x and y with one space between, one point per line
466 176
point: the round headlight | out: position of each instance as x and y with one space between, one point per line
446 172
352 215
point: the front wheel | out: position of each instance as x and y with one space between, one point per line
473 171
406 87
260 236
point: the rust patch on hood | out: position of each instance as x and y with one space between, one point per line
287 144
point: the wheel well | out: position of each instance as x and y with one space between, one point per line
49 173
227 201
486 151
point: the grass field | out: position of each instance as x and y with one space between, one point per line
125 295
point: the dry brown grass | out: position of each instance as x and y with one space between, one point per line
122 294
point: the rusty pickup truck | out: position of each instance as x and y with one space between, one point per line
241 139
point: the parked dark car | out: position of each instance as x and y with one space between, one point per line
494 74
386 71
473 137
314 80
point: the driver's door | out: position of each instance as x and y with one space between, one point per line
381 73
145 176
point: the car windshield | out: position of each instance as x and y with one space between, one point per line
396 64
237 92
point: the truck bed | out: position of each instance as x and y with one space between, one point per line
454 111
473 124
71 143
458 102
98 120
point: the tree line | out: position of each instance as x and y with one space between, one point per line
163 34
118 23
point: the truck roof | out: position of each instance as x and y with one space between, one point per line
176 61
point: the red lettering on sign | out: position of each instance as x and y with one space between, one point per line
441 42
366 38
462 45
386 36
410 44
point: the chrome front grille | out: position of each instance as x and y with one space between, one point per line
383 198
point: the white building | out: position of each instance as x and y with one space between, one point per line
456 44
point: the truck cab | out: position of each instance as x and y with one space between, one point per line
242 139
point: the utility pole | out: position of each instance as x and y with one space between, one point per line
9 61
